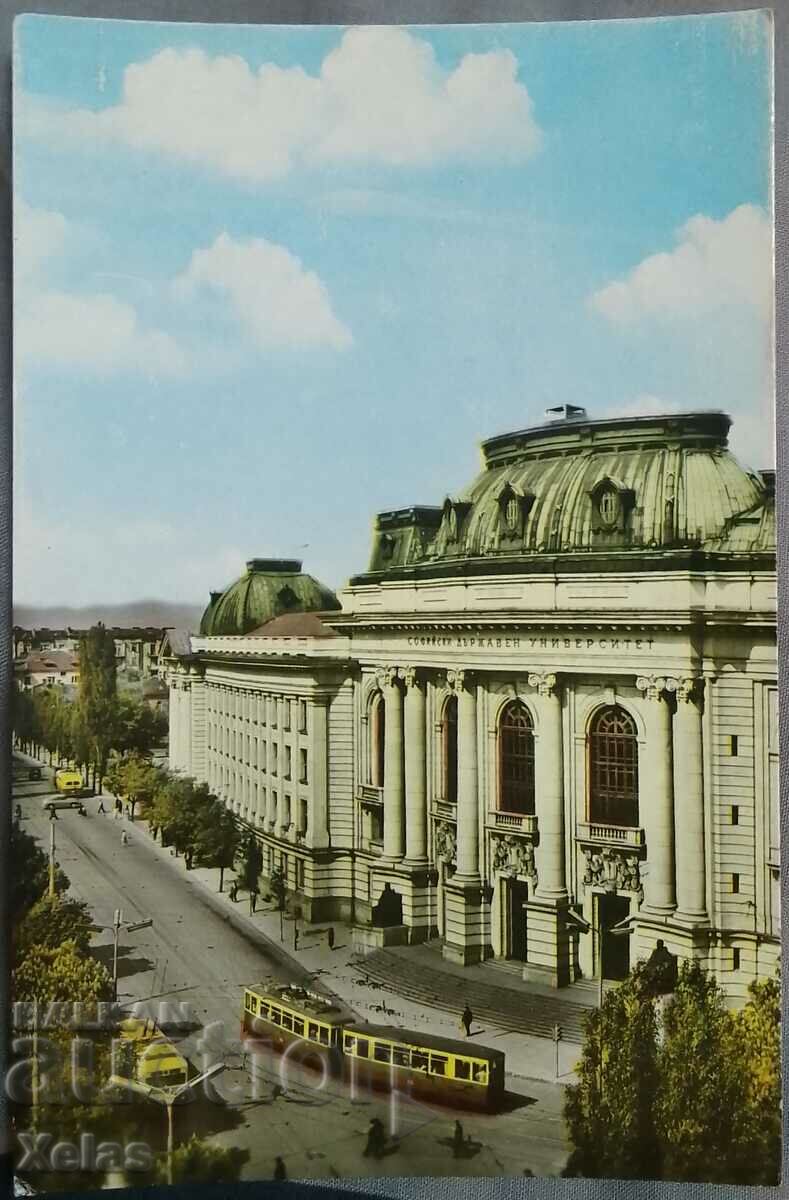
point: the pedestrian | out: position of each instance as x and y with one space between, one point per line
124 838
466 1019
458 1140
376 1139
253 901
101 807
295 937
280 1171
18 811
277 1091
330 937
234 891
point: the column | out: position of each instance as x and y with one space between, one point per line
393 764
656 797
415 769
468 783
318 812
549 791
689 803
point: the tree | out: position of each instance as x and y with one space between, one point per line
754 1042
609 1111
60 973
51 921
252 864
98 694
30 876
198 1161
138 728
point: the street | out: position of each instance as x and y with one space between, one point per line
194 954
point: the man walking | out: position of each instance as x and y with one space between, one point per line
330 937
101 807
466 1019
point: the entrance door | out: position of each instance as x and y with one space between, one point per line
616 947
517 940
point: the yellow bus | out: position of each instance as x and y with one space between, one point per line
69 782
156 1061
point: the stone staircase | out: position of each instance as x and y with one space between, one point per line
495 991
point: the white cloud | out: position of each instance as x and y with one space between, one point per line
39 235
716 265
380 97
95 332
281 304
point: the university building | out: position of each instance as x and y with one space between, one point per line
541 726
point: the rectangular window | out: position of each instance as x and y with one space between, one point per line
276 1016
302 716
382 1053
273 712
298 1026
302 826
263 755
735 959
287 1020
362 1048
302 765
274 758
300 874
735 814
480 1071
288 761
286 714
401 1057
735 884
438 1064
286 818
734 745
462 1069
419 1061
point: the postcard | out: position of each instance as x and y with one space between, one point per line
395 746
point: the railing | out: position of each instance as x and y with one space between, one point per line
442 808
523 822
370 795
619 835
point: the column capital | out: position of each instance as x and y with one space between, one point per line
411 677
690 688
545 682
386 676
460 680
653 686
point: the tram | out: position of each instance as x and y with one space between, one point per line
442 1070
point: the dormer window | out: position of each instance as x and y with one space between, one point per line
609 505
514 507
452 524
455 512
512 512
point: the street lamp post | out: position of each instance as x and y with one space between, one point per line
52 818
118 923
166 1096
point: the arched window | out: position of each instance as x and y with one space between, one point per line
449 749
377 735
516 759
613 768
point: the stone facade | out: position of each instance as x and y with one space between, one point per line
460 733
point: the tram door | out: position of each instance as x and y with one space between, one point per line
616 948
517 933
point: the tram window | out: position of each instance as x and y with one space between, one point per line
382 1053
438 1064
462 1069
276 1016
298 1026
263 1008
362 1047
480 1073
324 1035
312 1031
400 1057
419 1061
287 1020
249 1003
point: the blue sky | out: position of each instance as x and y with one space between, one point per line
271 280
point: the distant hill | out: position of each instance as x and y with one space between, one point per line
152 613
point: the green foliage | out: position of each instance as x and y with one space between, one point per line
609 1111
60 973
137 727
98 692
252 864
30 876
51 921
197 1161
699 1103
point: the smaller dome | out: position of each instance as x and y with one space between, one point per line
270 587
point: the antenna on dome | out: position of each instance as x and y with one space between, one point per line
566 412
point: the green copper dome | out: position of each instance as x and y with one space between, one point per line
271 586
576 486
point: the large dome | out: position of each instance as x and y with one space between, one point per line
577 486
269 587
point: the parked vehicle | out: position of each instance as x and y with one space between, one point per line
69 782
34 773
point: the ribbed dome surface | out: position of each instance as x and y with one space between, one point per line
269 587
579 485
